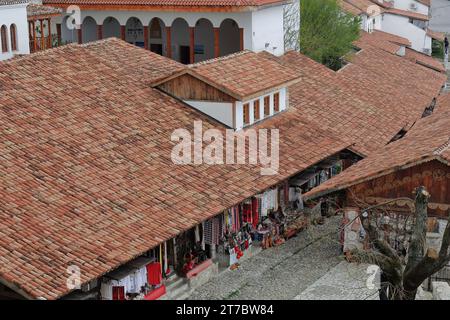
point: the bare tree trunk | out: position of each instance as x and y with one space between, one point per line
418 241
402 283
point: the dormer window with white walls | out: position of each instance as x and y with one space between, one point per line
263 107
237 90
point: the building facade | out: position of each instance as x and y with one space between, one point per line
13 28
404 18
187 33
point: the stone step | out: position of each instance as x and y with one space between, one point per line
183 296
173 283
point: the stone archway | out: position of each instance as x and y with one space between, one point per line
134 32
157 36
89 30
180 41
203 40
229 37
111 28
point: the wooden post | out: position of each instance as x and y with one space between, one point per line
59 33
49 40
168 42
191 44
34 36
175 260
165 255
99 32
241 39
80 35
146 45
42 34
122 32
216 42
30 35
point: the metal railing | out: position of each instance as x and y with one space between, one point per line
442 275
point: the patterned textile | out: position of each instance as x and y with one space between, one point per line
208 232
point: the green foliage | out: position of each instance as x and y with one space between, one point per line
326 32
437 49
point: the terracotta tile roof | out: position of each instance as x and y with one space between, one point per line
349 8
392 44
146 68
358 7
425 2
367 102
87 176
34 10
443 103
440 36
169 3
383 3
377 38
429 139
408 14
423 59
243 75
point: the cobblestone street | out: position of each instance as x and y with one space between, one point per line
282 272
346 281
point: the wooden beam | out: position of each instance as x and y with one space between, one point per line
42 35
122 32
168 42
59 33
50 42
191 44
216 42
34 36
146 38
80 35
241 39
99 32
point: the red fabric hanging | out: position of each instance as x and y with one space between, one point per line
118 293
154 276
247 212
255 212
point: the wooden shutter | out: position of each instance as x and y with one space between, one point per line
4 38
276 102
246 113
267 106
13 33
256 109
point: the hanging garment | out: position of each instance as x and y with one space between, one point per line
216 231
118 293
275 199
292 194
247 212
255 218
154 276
197 233
208 232
300 204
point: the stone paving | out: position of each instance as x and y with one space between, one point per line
346 281
282 272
